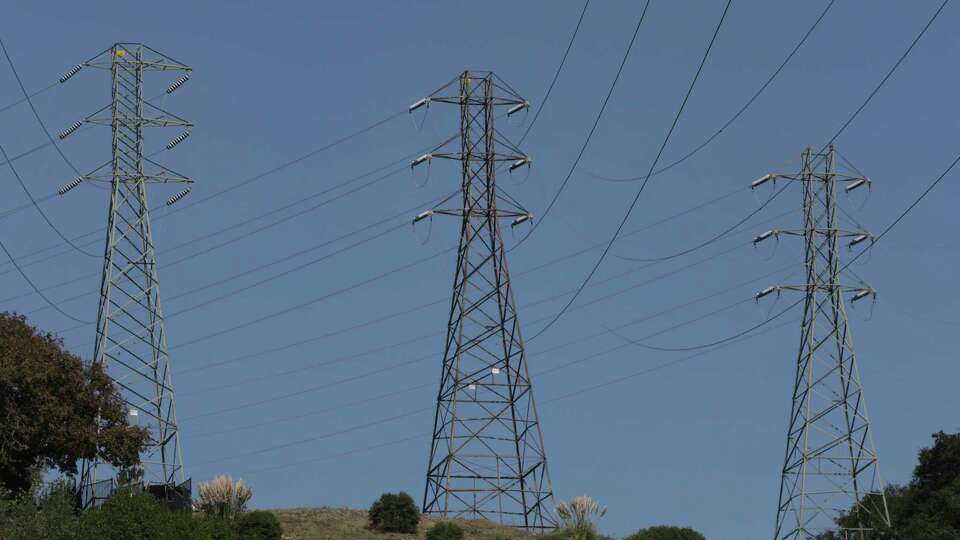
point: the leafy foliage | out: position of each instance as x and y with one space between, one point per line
395 512
445 530
49 405
928 508
664 532
259 525
125 516
53 518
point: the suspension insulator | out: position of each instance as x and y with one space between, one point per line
762 180
181 194
179 139
73 71
178 83
517 108
73 127
422 215
418 104
521 219
421 159
71 185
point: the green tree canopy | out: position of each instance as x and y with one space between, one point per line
664 532
928 508
49 405
394 512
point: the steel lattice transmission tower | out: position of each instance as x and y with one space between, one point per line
131 338
487 457
830 467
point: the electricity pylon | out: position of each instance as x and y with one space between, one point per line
830 467
131 338
487 458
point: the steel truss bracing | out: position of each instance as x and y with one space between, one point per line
830 466
487 458
131 339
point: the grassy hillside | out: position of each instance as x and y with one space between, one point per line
350 524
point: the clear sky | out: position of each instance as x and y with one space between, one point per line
698 442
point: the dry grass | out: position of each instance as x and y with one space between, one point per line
350 524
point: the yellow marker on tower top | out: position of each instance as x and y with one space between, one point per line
121 53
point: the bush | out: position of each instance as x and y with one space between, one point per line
445 530
395 512
577 518
54 518
224 498
128 515
259 525
666 533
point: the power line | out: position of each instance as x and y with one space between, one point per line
525 272
844 267
32 95
736 115
615 294
887 76
556 347
594 301
712 239
418 411
40 211
36 289
705 345
308 303
556 75
232 227
294 161
569 395
906 211
339 455
596 122
232 187
661 366
564 345
636 198
315 438
36 114
215 247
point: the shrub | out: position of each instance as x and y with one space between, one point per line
129 515
577 517
666 533
259 525
394 512
445 530
54 518
224 498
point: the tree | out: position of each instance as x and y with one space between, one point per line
928 508
664 532
395 512
49 405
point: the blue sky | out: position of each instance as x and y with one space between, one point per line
698 442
